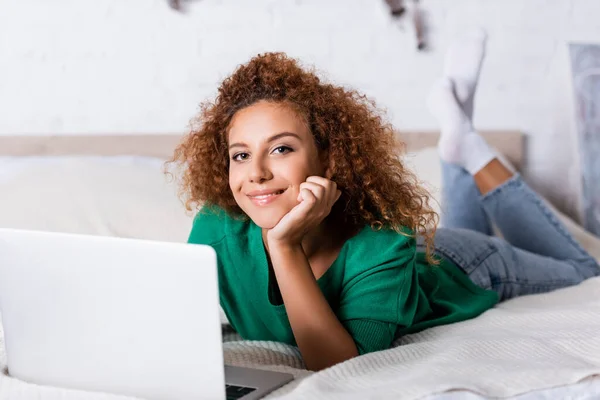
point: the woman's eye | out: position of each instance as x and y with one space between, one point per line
282 149
239 156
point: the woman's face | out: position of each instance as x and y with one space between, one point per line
271 152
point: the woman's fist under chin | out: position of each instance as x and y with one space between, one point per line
316 197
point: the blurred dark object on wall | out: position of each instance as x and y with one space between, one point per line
419 24
181 6
396 7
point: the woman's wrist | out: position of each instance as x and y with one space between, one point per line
279 248
288 257
284 245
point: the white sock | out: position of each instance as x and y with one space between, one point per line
462 65
459 143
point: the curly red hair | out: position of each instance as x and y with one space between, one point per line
377 189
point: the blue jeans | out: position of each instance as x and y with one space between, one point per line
537 253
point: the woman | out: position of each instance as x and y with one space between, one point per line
315 220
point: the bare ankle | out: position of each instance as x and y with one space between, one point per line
491 176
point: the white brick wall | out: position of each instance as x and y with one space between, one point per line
136 66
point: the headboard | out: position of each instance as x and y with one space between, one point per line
509 143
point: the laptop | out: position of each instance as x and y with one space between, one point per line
123 316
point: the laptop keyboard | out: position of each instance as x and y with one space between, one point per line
236 392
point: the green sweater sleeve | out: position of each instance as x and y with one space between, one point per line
379 294
369 335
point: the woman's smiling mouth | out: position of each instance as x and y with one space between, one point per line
265 197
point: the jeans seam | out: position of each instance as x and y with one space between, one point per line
552 283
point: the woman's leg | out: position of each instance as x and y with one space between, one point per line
461 201
527 223
538 238
520 215
492 263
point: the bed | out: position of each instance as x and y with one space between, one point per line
536 347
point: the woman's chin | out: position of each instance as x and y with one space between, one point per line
267 220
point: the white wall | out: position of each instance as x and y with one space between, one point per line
107 66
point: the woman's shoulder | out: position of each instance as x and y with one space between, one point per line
378 262
212 224
375 246
374 240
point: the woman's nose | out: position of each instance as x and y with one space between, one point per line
259 172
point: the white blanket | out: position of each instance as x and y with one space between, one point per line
526 344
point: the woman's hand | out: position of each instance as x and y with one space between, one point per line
317 196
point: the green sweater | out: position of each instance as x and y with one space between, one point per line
379 287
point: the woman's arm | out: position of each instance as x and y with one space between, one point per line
321 338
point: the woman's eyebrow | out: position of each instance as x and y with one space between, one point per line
269 140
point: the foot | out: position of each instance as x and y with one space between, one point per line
459 143
462 65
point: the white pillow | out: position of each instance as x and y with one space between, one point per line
111 196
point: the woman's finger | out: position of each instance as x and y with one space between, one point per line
298 215
330 186
318 190
308 197
318 179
